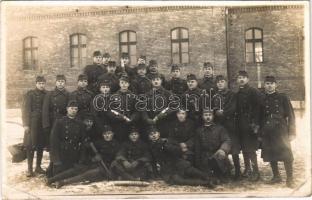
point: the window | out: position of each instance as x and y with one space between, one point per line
78 50
127 44
30 52
179 45
254 45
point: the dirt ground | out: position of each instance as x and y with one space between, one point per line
17 186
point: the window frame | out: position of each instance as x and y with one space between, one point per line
180 40
253 40
79 46
33 65
128 43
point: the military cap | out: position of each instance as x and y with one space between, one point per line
105 83
141 66
155 75
207 64
142 57
152 62
134 129
220 77
152 129
60 77
106 55
124 78
270 79
82 77
190 77
208 110
105 128
242 73
40 79
97 53
72 103
124 55
175 67
111 63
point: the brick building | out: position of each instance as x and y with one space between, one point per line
263 40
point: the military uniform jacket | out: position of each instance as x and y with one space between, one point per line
278 123
107 149
150 75
193 100
32 117
207 83
181 131
66 140
54 106
101 109
141 85
114 80
93 72
84 98
134 151
176 86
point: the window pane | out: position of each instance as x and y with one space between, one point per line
249 47
35 54
74 62
123 37
83 62
27 43
184 47
83 52
34 42
249 57
184 33
74 39
248 34
175 47
132 36
174 34
258 47
74 53
83 39
133 60
132 50
185 58
259 57
258 34
27 58
175 58
124 48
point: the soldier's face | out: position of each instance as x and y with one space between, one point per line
40 85
104 89
156 82
60 84
208 71
269 87
192 84
221 85
141 61
142 71
108 136
82 83
176 73
88 123
134 136
124 85
72 111
208 116
106 60
111 69
125 60
154 136
242 80
97 60
181 115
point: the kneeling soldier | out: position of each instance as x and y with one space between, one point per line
278 129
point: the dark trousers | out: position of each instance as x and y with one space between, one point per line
288 168
30 152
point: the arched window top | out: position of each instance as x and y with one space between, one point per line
253 33
127 36
179 33
30 42
78 39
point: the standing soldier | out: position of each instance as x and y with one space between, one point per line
54 105
111 76
105 59
248 113
141 84
124 63
176 84
207 82
67 138
278 130
82 95
153 69
32 122
224 103
94 71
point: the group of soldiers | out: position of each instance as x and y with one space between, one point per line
183 142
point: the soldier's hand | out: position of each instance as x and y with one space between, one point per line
26 129
220 154
126 164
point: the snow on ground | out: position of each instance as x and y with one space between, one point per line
17 186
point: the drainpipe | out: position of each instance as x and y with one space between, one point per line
227 46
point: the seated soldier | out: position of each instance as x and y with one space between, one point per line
106 148
133 159
169 165
211 146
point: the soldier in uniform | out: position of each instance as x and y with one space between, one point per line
248 113
125 67
141 84
278 130
111 76
105 59
153 69
67 138
207 82
34 139
169 165
123 106
211 145
224 103
142 60
94 71
176 84
54 105
133 159
82 95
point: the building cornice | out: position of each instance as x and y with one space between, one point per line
248 9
